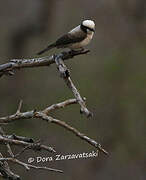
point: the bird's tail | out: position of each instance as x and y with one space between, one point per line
46 49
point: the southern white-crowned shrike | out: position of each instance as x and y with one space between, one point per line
75 39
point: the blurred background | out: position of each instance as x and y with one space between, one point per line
112 78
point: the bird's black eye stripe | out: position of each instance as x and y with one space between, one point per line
84 28
90 29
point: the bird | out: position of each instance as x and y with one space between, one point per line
76 39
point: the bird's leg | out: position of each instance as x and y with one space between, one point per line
73 51
82 49
79 51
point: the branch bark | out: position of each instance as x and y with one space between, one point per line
65 74
44 116
28 143
8 145
28 166
72 129
5 171
33 146
8 68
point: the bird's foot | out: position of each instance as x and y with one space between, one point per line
74 51
79 51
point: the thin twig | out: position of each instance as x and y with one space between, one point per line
33 146
59 105
19 107
20 138
30 114
22 151
5 171
8 145
72 129
28 166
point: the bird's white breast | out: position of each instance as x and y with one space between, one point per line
83 43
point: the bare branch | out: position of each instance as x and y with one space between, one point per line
14 64
59 105
33 146
28 143
43 115
28 166
72 129
8 68
5 171
65 74
8 145
14 117
30 114
19 138
19 107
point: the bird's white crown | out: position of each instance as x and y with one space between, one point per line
89 23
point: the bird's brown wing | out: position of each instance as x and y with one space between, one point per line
69 39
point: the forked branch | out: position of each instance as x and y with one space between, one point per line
28 143
44 116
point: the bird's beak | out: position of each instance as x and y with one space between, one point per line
93 30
